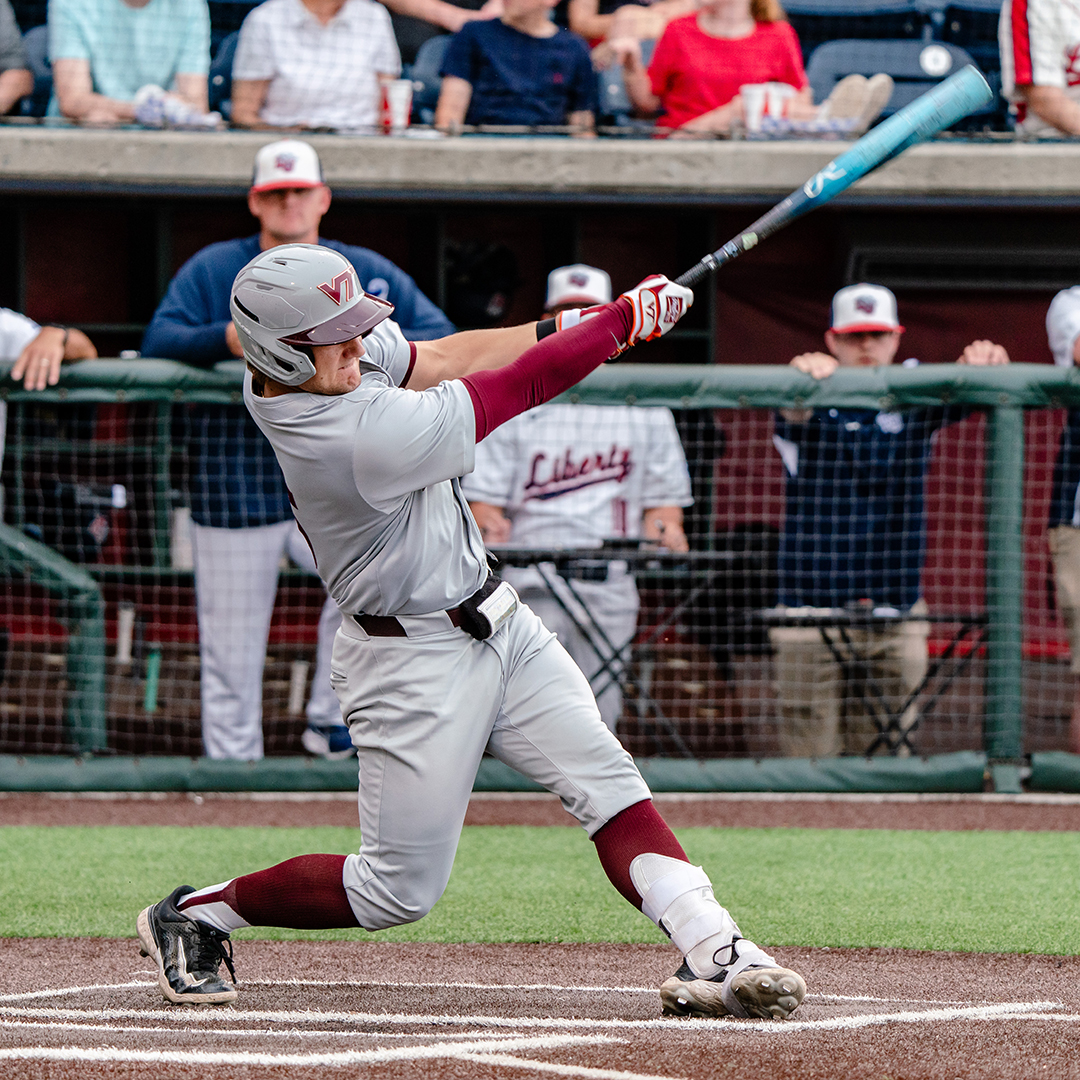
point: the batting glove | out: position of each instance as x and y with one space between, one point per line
658 305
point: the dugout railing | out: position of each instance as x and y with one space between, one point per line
64 592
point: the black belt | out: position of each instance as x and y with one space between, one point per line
389 626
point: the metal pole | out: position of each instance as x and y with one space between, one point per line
1003 726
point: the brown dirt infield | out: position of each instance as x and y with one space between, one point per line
90 1008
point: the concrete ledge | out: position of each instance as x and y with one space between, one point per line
34 158
962 772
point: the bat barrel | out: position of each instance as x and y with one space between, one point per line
937 109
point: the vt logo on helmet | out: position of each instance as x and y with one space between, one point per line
294 296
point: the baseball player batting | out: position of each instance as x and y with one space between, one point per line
436 660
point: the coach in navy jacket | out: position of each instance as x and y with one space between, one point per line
854 534
242 521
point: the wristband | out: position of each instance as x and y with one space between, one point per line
545 327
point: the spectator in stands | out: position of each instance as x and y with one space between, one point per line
242 521
15 78
1040 64
105 51
702 60
853 537
1063 331
38 352
596 20
416 21
573 476
519 69
313 64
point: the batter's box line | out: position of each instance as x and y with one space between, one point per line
496 1039
461 1051
575 989
31 995
205 1016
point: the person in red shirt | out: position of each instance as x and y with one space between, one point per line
703 59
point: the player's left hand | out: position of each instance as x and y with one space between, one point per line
984 353
38 364
658 305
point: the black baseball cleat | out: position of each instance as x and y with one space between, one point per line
188 953
762 990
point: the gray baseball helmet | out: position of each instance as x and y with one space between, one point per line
299 295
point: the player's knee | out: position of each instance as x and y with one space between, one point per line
383 900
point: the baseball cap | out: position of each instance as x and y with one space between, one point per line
578 284
863 308
288 163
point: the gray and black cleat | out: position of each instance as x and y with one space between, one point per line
753 990
188 953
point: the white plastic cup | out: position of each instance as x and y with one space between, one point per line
776 97
395 104
754 99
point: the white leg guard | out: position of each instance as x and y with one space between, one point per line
714 980
679 898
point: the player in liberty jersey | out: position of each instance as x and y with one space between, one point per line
436 662
574 476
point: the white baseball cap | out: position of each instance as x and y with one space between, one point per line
288 163
864 308
578 284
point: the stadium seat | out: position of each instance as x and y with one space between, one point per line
225 18
818 21
36 43
220 78
29 13
426 78
973 25
915 66
614 103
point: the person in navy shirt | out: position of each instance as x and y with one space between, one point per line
242 521
854 534
520 69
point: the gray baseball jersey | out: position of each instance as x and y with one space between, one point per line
373 478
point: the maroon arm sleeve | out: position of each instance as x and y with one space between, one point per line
548 368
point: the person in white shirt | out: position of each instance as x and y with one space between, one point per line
313 64
38 352
1040 64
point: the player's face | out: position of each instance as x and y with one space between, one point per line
290 215
337 368
872 348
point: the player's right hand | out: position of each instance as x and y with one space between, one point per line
658 305
816 364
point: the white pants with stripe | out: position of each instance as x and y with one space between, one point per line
236 579
423 709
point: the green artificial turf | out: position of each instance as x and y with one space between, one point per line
970 891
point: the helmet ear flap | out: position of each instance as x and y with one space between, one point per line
286 364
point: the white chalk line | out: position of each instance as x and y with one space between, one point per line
342 1057
505 1060
201 1017
1031 1010
274 1032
